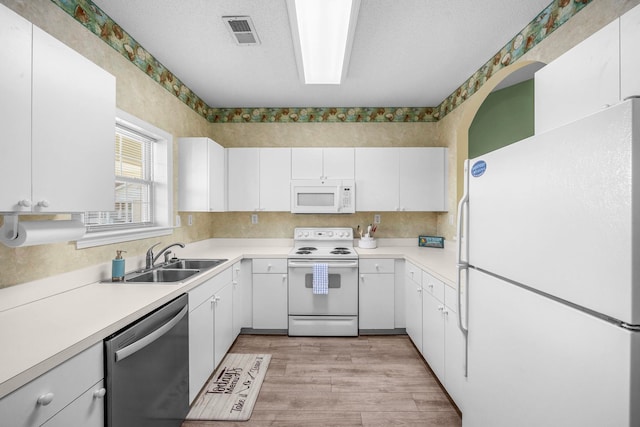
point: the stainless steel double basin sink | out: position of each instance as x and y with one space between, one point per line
173 271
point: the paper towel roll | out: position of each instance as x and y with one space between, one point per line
42 232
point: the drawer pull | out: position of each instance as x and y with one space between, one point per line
99 393
45 399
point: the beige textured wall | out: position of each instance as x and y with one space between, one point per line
140 96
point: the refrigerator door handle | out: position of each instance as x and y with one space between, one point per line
462 264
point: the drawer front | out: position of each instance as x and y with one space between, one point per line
377 265
413 272
206 290
270 265
433 286
56 389
86 411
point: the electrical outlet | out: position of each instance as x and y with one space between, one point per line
376 219
178 221
190 219
254 218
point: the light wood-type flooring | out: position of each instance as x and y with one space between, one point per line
363 381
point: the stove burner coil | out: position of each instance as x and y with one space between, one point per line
340 252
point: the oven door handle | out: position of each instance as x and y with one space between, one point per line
353 264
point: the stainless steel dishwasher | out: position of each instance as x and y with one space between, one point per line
147 369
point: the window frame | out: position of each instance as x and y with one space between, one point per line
163 189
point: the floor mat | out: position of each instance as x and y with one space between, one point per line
233 390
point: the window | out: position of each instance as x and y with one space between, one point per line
143 190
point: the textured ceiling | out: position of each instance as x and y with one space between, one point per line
409 53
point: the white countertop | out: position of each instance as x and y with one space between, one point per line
44 323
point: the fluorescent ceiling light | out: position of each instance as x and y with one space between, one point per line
323 35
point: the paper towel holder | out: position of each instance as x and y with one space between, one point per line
11 225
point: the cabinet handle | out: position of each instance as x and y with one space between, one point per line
440 308
284 278
24 203
217 299
419 290
362 277
431 286
269 266
234 283
43 203
445 312
45 399
213 301
99 393
377 267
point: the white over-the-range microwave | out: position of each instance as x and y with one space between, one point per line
323 196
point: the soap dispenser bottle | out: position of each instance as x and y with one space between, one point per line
117 267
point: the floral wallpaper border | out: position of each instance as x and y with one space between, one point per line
88 14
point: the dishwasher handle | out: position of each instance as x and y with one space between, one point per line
148 339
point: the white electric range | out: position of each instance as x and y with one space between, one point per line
334 313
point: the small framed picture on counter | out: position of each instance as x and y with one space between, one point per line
431 241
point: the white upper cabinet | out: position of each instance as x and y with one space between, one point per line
423 173
322 163
629 54
15 110
401 179
582 81
259 179
58 109
202 176
275 179
377 179
601 71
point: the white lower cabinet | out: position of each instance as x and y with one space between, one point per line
210 328
241 296
376 294
270 294
71 394
432 324
433 314
413 303
455 350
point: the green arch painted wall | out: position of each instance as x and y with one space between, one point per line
506 116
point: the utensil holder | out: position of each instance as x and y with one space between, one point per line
367 243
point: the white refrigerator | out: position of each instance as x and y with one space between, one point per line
549 277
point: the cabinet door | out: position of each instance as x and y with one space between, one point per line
376 301
275 179
433 333
86 411
203 176
243 172
413 311
239 299
201 346
629 57
306 163
73 130
223 322
423 174
377 179
580 82
339 163
455 359
270 301
15 110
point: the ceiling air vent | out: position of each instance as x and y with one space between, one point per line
242 30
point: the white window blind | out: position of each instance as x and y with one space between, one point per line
134 184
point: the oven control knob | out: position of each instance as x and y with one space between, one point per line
306 234
331 234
